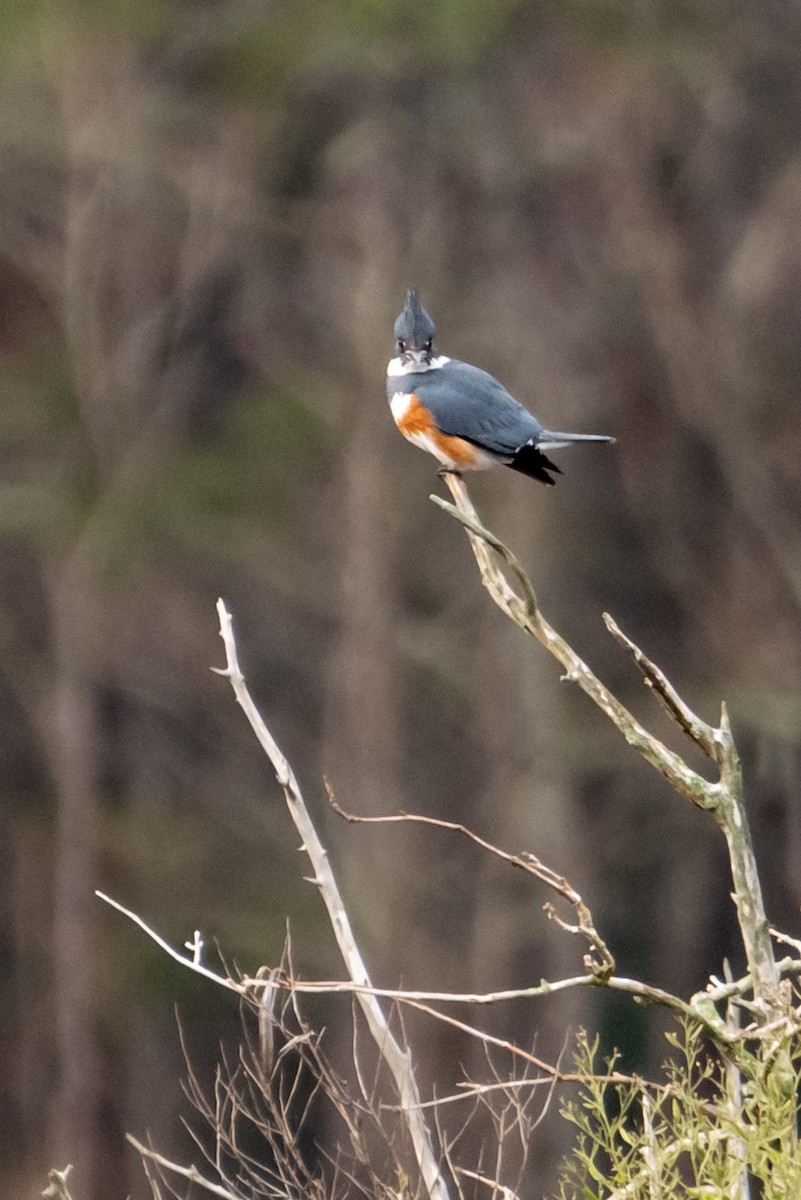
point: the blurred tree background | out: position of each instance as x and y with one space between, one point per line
209 212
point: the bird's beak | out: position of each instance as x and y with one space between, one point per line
421 357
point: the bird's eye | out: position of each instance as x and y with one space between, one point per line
429 345
401 345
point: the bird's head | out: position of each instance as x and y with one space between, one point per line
414 331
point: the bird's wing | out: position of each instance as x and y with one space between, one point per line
466 402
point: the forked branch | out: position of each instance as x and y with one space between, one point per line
722 797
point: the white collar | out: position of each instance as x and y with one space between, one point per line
398 367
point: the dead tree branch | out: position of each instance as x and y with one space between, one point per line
700 1007
723 797
600 967
192 962
191 1172
398 1060
58 1187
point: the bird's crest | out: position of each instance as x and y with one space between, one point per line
414 326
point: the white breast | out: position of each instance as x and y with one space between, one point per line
400 404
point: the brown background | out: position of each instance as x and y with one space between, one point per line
209 213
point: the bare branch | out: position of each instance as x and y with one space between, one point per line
786 940
525 612
497 1187
397 1060
58 1188
265 981
697 730
723 798
191 1173
268 980
643 992
192 963
528 862
469 1091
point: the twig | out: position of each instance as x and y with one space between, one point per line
601 968
469 1091
697 730
397 1060
643 992
191 1173
650 1151
733 1101
185 960
633 987
58 1189
497 1187
526 1056
716 991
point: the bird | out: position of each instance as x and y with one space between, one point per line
461 414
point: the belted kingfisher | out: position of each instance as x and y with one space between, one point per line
459 413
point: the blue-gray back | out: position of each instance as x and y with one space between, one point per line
469 403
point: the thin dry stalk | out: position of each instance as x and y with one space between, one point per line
397 1059
58 1186
600 967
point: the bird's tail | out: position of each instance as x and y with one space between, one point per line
549 440
531 461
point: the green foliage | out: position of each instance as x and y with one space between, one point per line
695 1136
